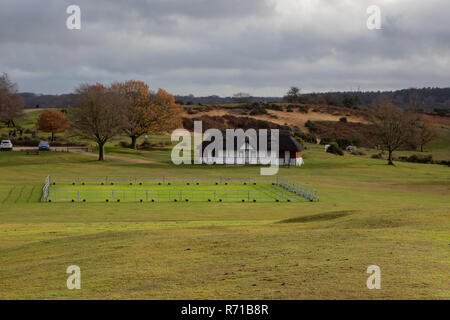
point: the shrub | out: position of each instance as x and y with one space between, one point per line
343 119
259 110
300 140
308 137
377 156
274 107
192 110
417 159
311 126
344 143
124 144
443 162
325 141
303 109
334 149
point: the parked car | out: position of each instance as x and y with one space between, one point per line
6 145
44 146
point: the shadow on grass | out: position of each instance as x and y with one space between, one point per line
319 217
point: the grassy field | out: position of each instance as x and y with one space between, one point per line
368 213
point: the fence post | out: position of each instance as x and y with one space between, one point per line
214 195
164 179
78 196
181 195
248 196
112 195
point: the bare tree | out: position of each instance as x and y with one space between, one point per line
11 102
425 132
100 116
395 126
293 95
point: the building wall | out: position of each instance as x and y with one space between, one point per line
237 157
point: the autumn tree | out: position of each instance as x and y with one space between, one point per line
100 115
138 112
52 121
11 102
148 113
167 111
395 126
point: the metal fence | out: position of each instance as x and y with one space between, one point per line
269 188
159 180
299 189
173 196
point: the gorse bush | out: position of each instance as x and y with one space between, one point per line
334 149
417 159
377 156
307 137
325 141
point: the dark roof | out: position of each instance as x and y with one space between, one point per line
286 143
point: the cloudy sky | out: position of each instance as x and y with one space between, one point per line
222 47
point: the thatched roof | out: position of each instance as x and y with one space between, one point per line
286 142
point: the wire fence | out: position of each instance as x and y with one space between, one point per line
173 195
60 188
299 189
159 180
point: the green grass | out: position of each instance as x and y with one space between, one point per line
175 193
368 213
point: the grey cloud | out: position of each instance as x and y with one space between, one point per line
225 46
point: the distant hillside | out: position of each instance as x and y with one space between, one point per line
49 101
429 99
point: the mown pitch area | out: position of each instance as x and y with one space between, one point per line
369 214
174 193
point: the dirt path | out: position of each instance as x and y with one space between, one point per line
25 111
81 150
119 158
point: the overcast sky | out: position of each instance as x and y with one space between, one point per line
221 47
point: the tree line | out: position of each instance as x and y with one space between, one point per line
426 99
103 112
131 108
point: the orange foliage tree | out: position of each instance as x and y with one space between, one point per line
148 113
52 121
